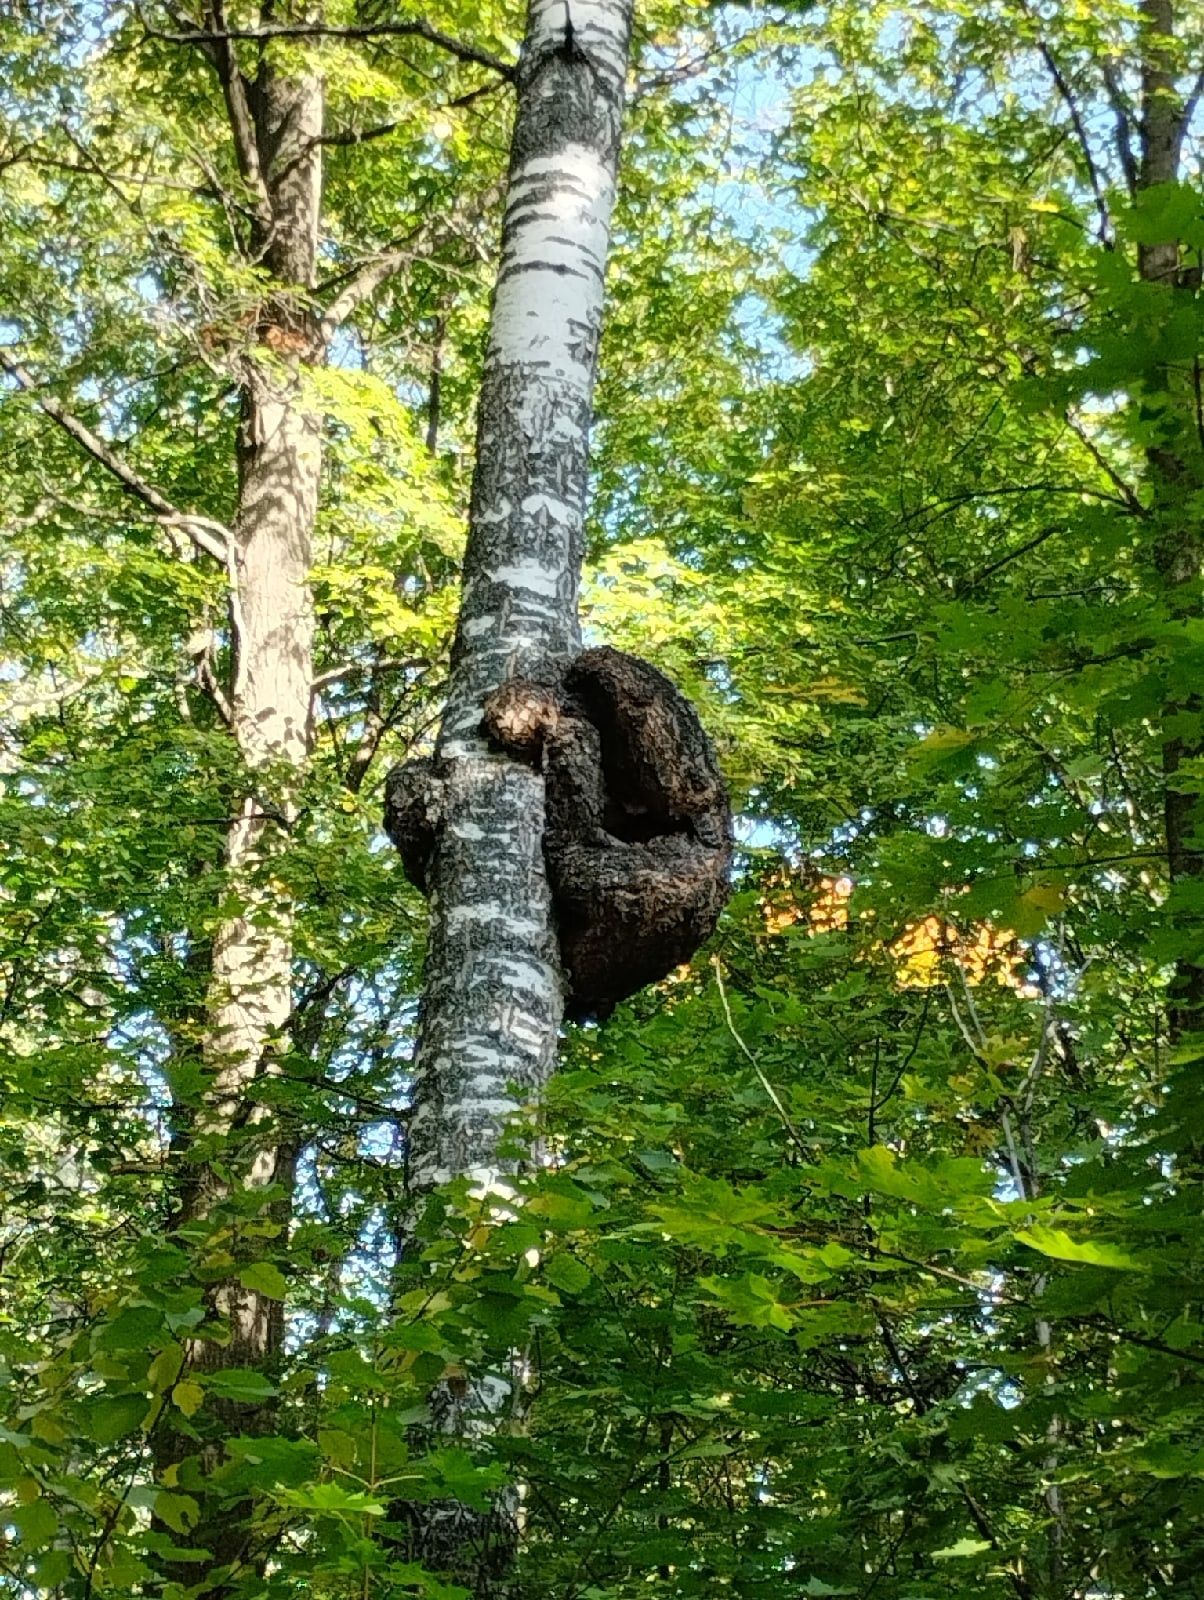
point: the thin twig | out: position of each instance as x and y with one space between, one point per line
1130 496
220 34
1123 124
210 536
795 1136
1106 234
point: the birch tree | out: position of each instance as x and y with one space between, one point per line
493 987
492 995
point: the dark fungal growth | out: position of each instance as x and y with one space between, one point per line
638 828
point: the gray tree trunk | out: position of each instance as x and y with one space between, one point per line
493 989
1177 475
276 120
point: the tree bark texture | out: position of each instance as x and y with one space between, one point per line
638 837
493 995
1177 474
276 120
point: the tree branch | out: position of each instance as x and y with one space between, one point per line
363 282
345 136
400 664
363 285
220 34
1124 138
1106 234
1190 104
207 535
1131 499
217 43
1125 498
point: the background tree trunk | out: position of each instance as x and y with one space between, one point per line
1177 473
276 121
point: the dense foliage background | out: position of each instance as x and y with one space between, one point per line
867 1256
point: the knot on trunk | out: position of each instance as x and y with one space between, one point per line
413 814
638 826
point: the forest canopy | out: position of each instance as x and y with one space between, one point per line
842 362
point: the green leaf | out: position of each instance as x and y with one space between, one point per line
963 1547
266 1279
52 1569
1028 913
108 1418
567 1273
179 1511
37 1523
240 1383
131 1329
1055 1242
165 1368
332 1499
188 1396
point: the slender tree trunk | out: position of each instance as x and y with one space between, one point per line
1177 475
279 451
492 997
233 1143
493 991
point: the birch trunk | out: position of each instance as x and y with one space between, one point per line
493 986
492 998
1177 475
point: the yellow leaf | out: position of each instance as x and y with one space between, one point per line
189 1396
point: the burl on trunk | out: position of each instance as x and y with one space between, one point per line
638 829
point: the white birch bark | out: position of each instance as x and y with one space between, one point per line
492 998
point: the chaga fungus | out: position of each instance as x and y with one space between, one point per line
638 827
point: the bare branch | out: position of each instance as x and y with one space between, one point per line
15 154
980 577
217 43
344 136
219 34
950 502
1106 234
322 680
1123 134
207 535
420 244
1190 104
142 180
234 210
1130 497
376 725
207 679
364 284
783 1115
471 96
242 124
